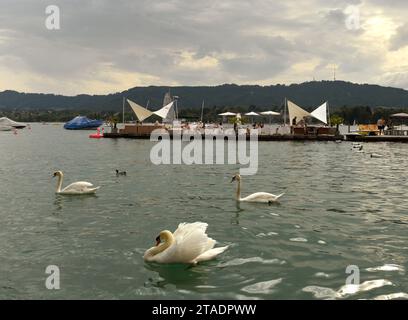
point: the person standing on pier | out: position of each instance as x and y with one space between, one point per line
292 128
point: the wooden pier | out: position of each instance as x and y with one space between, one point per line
375 138
261 137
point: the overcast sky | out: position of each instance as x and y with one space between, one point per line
106 46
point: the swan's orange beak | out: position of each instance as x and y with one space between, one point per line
157 241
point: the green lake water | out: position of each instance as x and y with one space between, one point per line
340 208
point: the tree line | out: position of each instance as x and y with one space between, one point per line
347 115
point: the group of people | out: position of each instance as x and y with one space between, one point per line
302 123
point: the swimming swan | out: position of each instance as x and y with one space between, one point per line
376 155
80 187
188 244
257 196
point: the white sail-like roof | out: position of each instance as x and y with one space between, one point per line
4 121
141 113
296 111
321 113
162 113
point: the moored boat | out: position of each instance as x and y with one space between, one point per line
82 123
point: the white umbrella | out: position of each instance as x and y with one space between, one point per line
270 114
400 115
252 114
227 114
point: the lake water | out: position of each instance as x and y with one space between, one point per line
340 208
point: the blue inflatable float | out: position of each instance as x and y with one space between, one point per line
82 123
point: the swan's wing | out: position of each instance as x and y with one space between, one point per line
262 197
210 254
79 186
191 241
184 229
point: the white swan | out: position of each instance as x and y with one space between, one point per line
257 196
376 155
80 187
188 244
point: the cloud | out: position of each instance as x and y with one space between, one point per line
400 39
107 46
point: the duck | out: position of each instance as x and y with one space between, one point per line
189 244
262 197
76 188
120 173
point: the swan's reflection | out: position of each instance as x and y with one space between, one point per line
61 200
241 207
182 276
235 219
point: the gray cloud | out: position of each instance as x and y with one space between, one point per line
187 42
401 38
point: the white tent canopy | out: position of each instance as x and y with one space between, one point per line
296 111
141 113
226 114
162 113
321 113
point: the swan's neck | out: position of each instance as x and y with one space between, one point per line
59 184
168 238
239 190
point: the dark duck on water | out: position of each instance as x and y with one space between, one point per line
120 173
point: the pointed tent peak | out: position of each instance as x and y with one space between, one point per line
321 113
141 113
296 111
162 113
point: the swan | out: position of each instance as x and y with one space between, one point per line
376 155
257 196
188 244
80 187
120 173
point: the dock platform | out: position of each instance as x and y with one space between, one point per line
262 137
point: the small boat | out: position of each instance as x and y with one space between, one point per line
97 135
5 128
82 123
4 121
